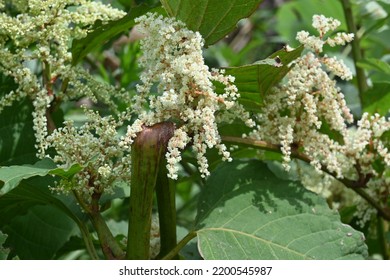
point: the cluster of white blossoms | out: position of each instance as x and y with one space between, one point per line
308 113
324 25
172 61
94 146
35 53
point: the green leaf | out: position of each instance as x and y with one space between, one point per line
66 173
377 99
103 33
29 193
17 219
255 81
379 70
214 19
40 233
13 175
246 212
374 64
3 251
17 141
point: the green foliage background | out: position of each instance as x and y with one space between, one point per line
245 209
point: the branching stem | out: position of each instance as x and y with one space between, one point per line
357 186
87 240
175 251
109 245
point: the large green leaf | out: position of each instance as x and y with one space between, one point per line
214 19
13 175
104 32
377 99
40 233
246 212
255 81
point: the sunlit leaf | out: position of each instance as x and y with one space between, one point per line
246 212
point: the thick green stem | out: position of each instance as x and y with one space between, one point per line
84 230
88 241
148 150
165 192
110 246
356 51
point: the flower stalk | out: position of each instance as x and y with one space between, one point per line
148 151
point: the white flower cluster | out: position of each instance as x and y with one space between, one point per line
172 61
95 146
324 25
36 42
309 113
368 143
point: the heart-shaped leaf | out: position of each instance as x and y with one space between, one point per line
246 212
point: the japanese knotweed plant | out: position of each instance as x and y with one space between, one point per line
180 104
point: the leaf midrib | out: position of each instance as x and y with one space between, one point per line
267 242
